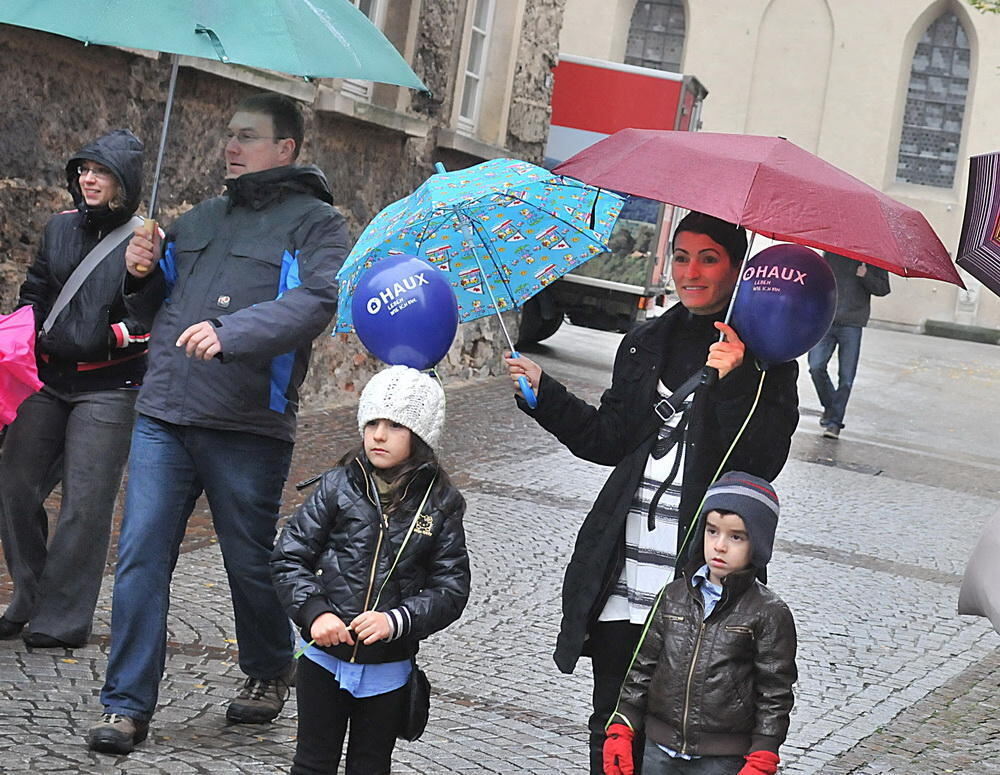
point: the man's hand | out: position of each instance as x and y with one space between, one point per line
523 367
371 626
143 251
862 270
329 630
727 354
200 341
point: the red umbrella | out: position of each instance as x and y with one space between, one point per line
771 186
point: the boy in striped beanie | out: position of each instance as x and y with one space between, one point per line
710 685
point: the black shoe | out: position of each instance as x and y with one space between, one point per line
831 432
116 734
39 640
260 701
9 629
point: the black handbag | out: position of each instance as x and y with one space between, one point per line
416 705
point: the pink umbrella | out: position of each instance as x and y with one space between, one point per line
772 187
18 371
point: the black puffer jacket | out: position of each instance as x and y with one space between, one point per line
333 556
81 351
621 433
718 687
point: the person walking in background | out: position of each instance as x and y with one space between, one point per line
244 285
711 683
856 284
373 562
91 359
665 451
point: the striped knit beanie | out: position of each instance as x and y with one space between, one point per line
755 500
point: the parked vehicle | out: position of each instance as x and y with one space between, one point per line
591 99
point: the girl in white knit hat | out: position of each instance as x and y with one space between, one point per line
373 562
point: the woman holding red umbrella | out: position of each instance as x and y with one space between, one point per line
666 445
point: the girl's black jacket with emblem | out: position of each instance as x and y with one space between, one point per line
335 555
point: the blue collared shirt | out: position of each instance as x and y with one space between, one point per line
361 680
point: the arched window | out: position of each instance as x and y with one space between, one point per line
935 105
656 35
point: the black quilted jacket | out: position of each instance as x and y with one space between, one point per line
334 556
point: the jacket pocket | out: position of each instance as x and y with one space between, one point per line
252 274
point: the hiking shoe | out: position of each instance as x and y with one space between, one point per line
260 701
831 432
116 734
9 629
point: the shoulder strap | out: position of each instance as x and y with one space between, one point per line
85 267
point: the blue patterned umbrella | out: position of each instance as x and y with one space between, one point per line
501 230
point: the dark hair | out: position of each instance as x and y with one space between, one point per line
285 115
420 454
732 237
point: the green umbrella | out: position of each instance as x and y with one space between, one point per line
310 38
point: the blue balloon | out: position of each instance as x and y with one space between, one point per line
785 303
405 312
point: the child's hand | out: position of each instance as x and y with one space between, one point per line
371 626
329 630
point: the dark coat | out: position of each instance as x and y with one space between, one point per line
621 433
333 556
261 263
720 686
82 332
854 294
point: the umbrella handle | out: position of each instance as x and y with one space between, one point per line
526 391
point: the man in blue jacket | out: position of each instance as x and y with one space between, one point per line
857 282
246 282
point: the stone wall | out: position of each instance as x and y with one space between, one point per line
58 95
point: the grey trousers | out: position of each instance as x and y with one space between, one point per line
81 439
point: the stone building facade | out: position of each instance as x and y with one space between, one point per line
486 62
899 93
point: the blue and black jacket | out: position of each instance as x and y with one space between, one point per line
260 263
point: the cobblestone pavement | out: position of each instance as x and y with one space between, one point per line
874 535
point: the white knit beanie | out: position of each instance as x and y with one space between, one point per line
405 396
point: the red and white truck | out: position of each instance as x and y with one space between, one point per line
592 99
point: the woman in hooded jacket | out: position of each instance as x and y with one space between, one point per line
76 429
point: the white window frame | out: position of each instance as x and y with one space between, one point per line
355 88
467 123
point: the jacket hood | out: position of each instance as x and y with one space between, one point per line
122 153
258 189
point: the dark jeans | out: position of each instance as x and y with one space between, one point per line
610 645
324 712
847 341
658 762
83 440
242 475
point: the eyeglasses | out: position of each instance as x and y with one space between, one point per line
101 173
246 137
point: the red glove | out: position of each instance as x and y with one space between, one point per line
758 763
618 750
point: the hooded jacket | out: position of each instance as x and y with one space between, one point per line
94 343
260 263
335 556
621 432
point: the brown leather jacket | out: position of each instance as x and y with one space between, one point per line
718 687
